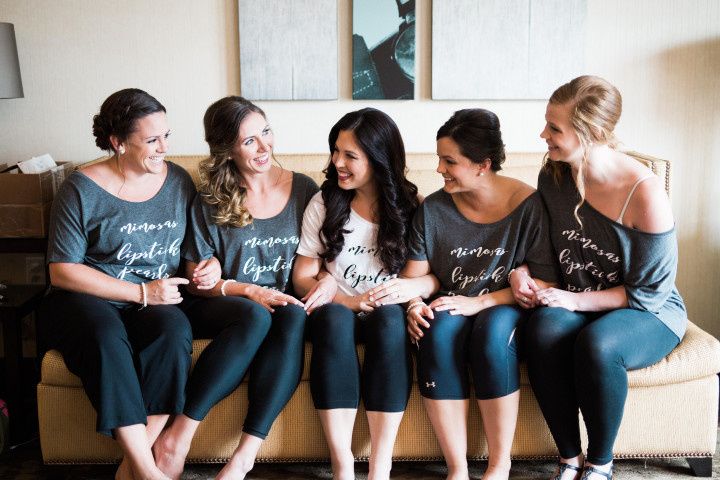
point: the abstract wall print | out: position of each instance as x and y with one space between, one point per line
288 49
506 49
383 49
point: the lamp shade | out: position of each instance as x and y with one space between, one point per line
10 81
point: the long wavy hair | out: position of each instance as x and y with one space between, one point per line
221 183
596 105
379 138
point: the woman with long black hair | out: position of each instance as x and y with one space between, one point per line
357 228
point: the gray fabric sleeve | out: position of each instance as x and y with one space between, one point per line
540 256
199 244
650 263
416 242
68 241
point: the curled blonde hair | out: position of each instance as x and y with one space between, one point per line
221 183
596 106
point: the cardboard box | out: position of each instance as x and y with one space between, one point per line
24 220
32 188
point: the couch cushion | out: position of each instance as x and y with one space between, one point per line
697 356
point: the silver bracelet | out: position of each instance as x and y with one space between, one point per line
222 287
510 273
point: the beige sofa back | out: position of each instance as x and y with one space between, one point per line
421 167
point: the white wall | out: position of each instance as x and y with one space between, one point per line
664 55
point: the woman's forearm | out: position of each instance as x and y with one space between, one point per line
76 277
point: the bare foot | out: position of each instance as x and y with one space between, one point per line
344 469
170 455
497 472
458 473
124 472
235 469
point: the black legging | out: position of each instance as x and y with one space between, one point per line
132 362
245 335
488 341
335 376
580 360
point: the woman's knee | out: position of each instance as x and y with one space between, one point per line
332 323
386 324
547 325
292 318
446 331
495 328
596 350
170 327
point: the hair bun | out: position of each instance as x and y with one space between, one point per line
101 131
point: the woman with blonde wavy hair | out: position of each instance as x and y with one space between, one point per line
248 214
618 309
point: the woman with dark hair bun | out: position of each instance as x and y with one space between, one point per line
357 228
114 247
470 235
248 213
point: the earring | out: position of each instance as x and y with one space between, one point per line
121 150
482 173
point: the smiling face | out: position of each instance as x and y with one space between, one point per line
559 134
146 146
352 164
459 172
252 152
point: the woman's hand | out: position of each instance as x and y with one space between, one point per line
269 298
207 274
164 291
458 304
555 297
321 293
356 303
396 290
416 320
524 288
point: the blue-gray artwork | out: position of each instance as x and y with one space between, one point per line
383 49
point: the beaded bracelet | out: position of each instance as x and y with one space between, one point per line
414 304
222 287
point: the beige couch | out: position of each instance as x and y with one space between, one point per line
671 411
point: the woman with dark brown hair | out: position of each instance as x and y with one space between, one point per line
114 248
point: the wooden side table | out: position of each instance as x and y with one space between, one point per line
18 301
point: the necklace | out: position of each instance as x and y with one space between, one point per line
117 164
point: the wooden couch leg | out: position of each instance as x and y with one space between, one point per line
701 467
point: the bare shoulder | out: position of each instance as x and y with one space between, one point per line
649 209
519 191
99 173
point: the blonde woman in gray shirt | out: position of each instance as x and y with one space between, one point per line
617 307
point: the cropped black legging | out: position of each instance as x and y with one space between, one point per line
579 360
488 341
336 378
132 362
246 338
